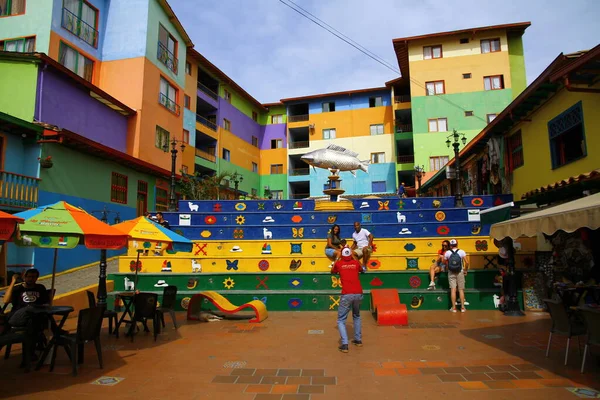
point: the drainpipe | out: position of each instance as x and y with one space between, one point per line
570 88
41 93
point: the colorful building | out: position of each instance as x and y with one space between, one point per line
540 148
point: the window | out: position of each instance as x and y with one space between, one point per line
168 96
438 125
12 7
277 194
490 45
226 155
253 192
376 129
167 49
142 198
377 158
277 143
188 68
186 101
467 76
490 117
277 119
375 101
227 95
434 87
328 134
430 52
254 116
162 138
329 106
436 163
378 187
162 199
464 40
468 113
495 82
515 151
81 19
186 136
20 45
254 167
226 125
118 188
567 138
276 169
254 141
76 62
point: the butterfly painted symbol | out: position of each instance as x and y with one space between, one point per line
384 205
336 282
298 232
232 265
264 299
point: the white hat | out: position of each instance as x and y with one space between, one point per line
364 204
268 218
161 283
236 249
453 242
346 252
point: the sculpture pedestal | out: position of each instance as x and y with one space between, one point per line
334 187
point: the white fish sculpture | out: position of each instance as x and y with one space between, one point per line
335 157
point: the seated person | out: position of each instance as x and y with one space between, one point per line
334 246
363 245
440 264
24 294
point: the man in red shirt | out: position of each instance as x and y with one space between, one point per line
352 295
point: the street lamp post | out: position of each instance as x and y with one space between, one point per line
101 295
419 172
174 151
237 179
455 142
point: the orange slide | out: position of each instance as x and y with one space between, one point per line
385 304
260 310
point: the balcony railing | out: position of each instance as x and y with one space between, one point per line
403 98
203 121
206 156
208 91
169 104
406 159
404 128
299 171
80 28
299 145
167 58
298 118
18 190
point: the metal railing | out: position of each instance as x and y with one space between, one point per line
405 159
80 28
207 156
203 121
208 91
168 103
299 144
298 118
18 190
403 98
299 171
404 128
167 58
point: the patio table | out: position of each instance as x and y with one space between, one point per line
56 327
127 299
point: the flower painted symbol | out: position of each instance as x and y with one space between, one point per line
228 283
240 220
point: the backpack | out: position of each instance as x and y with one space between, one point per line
454 262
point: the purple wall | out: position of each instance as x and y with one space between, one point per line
68 106
277 131
242 126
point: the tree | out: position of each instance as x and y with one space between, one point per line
203 187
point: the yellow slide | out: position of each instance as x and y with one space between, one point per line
260 310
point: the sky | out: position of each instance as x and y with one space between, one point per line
274 53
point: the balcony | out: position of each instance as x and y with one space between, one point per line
167 58
299 171
404 128
405 159
208 91
18 191
404 98
203 121
207 156
169 104
298 118
299 145
79 28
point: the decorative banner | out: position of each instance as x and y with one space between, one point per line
50 242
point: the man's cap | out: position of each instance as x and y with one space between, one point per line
453 242
346 252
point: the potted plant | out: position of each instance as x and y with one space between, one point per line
46 162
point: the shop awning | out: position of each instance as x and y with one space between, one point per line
581 213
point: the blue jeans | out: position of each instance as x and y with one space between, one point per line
350 302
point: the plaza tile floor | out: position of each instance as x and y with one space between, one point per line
476 355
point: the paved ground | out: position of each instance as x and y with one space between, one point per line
78 279
293 355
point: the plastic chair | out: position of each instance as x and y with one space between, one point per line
592 322
168 304
110 314
26 338
89 324
563 324
144 308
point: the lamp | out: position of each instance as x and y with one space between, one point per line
455 142
174 151
101 295
237 179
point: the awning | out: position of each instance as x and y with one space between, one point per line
581 213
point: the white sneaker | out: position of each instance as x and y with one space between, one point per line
331 265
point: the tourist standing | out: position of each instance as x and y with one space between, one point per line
458 266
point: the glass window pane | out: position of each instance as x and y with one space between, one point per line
88 15
496 82
430 86
495 45
487 85
432 125
427 53
437 52
13 45
29 45
378 101
72 6
439 87
485 46
442 125
380 129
